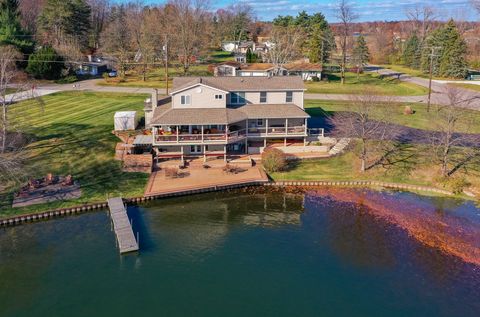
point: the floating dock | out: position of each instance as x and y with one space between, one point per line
122 226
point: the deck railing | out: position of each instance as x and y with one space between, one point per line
280 131
201 138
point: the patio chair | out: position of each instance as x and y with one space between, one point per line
68 181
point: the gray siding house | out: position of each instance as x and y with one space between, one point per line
212 116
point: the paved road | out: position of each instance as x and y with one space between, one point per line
438 96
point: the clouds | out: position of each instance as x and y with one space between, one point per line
368 10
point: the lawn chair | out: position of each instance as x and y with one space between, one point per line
68 181
49 179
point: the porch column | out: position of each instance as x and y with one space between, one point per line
266 127
224 153
181 151
286 126
177 135
246 146
306 129
202 133
265 142
304 141
204 151
285 142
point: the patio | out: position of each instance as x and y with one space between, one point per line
198 176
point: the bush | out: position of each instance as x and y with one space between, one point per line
456 184
273 160
315 79
45 64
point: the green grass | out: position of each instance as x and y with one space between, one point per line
467 86
367 81
421 119
414 72
220 57
73 136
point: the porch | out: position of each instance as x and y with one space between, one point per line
198 134
277 127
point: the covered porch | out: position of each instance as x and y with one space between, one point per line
199 134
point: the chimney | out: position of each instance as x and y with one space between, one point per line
89 58
154 98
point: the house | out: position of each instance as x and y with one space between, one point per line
222 116
229 46
93 66
307 71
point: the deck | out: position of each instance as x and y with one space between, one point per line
122 227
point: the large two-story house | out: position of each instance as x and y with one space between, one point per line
219 116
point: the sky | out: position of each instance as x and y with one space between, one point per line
367 10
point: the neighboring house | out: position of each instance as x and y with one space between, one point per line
229 46
244 46
220 116
307 71
240 57
92 68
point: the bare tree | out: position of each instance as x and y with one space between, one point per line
422 19
12 139
98 19
187 23
346 15
366 121
450 148
476 5
30 10
286 45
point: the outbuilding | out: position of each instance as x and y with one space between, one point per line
125 120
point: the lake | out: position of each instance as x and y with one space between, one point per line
245 253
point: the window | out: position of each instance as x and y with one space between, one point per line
289 96
263 97
185 99
237 98
259 122
218 97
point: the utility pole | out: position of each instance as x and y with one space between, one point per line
432 55
166 62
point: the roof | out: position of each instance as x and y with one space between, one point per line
257 66
193 116
240 83
230 63
301 66
123 114
143 140
273 111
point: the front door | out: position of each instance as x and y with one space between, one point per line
196 149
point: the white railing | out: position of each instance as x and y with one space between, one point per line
201 138
297 130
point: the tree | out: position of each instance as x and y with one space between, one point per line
30 10
366 121
45 64
412 52
12 139
422 19
344 13
360 53
451 149
65 20
116 39
452 49
11 31
285 45
318 40
98 19
187 23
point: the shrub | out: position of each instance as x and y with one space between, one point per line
315 79
273 160
456 184
45 64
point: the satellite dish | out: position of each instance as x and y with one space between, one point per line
199 90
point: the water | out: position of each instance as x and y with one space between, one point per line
234 254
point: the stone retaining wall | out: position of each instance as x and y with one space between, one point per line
17 220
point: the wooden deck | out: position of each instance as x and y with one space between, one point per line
122 227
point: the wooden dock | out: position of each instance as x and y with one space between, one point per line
121 225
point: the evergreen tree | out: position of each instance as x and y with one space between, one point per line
452 49
411 50
360 52
60 18
11 32
45 64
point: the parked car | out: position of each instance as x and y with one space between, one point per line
112 73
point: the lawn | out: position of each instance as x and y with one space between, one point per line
410 164
414 72
367 81
72 134
421 119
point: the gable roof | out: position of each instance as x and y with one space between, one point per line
273 111
197 116
240 83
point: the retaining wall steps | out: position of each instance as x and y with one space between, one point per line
339 147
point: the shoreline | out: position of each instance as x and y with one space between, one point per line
301 185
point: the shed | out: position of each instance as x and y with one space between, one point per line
125 120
